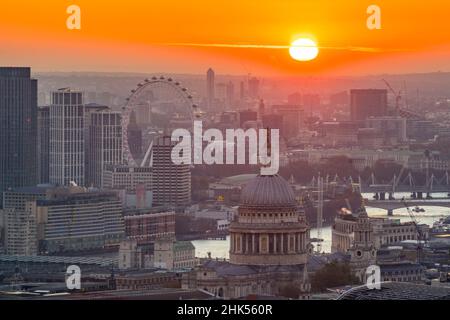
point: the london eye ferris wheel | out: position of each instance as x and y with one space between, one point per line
154 106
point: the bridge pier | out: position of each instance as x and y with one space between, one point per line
419 195
390 212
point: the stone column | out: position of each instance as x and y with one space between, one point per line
253 243
275 242
282 243
247 238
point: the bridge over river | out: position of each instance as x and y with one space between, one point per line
391 205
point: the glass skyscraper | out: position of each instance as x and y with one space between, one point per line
18 128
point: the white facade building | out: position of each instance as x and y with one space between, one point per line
67 140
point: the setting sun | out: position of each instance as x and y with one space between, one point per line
303 49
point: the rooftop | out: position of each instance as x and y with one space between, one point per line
397 291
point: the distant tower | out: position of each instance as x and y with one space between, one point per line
67 138
18 128
230 94
365 103
253 87
171 182
261 109
242 90
362 252
210 95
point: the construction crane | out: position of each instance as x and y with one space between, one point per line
421 237
398 96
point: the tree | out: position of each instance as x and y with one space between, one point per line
333 274
290 291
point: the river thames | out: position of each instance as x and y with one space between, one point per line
219 248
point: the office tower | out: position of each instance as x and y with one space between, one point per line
210 96
43 144
67 138
72 219
365 103
293 118
18 128
105 145
253 87
171 182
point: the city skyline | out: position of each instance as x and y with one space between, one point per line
227 150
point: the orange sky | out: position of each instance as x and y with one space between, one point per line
134 35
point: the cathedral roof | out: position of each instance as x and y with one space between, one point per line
270 190
228 269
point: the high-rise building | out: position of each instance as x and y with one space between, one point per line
365 103
210 86
105 145
43 144
171 182
253 87
67 138
293 118
18 128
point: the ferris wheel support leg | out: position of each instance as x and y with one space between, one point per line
147 154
